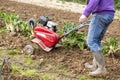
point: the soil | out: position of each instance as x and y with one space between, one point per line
56 4
72 59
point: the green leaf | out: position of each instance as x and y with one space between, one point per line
29 60
76 38
81 45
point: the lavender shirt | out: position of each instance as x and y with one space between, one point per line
99 7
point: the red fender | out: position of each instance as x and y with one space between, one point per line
48 37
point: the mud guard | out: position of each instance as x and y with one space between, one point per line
41 44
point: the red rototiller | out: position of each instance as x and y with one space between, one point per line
45 34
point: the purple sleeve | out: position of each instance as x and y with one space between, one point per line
90 7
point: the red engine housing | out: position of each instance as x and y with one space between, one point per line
49 38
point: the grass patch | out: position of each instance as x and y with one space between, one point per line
3 31
15 69
62 70
83 77
29 60
29 73
46 77
13 52
1 51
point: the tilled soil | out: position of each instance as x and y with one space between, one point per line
72 59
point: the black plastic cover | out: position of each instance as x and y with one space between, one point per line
43 20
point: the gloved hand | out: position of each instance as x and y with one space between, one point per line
82 19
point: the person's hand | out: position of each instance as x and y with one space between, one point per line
82 19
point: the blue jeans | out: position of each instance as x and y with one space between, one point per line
97 30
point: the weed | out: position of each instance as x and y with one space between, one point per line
15 69
1 51
83 77
117 4
3 31
46 77
29 60
29 73
13 52
62 69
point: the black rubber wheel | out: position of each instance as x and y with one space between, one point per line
32 23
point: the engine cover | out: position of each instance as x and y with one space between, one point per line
43 20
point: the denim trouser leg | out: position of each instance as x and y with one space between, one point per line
97 30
